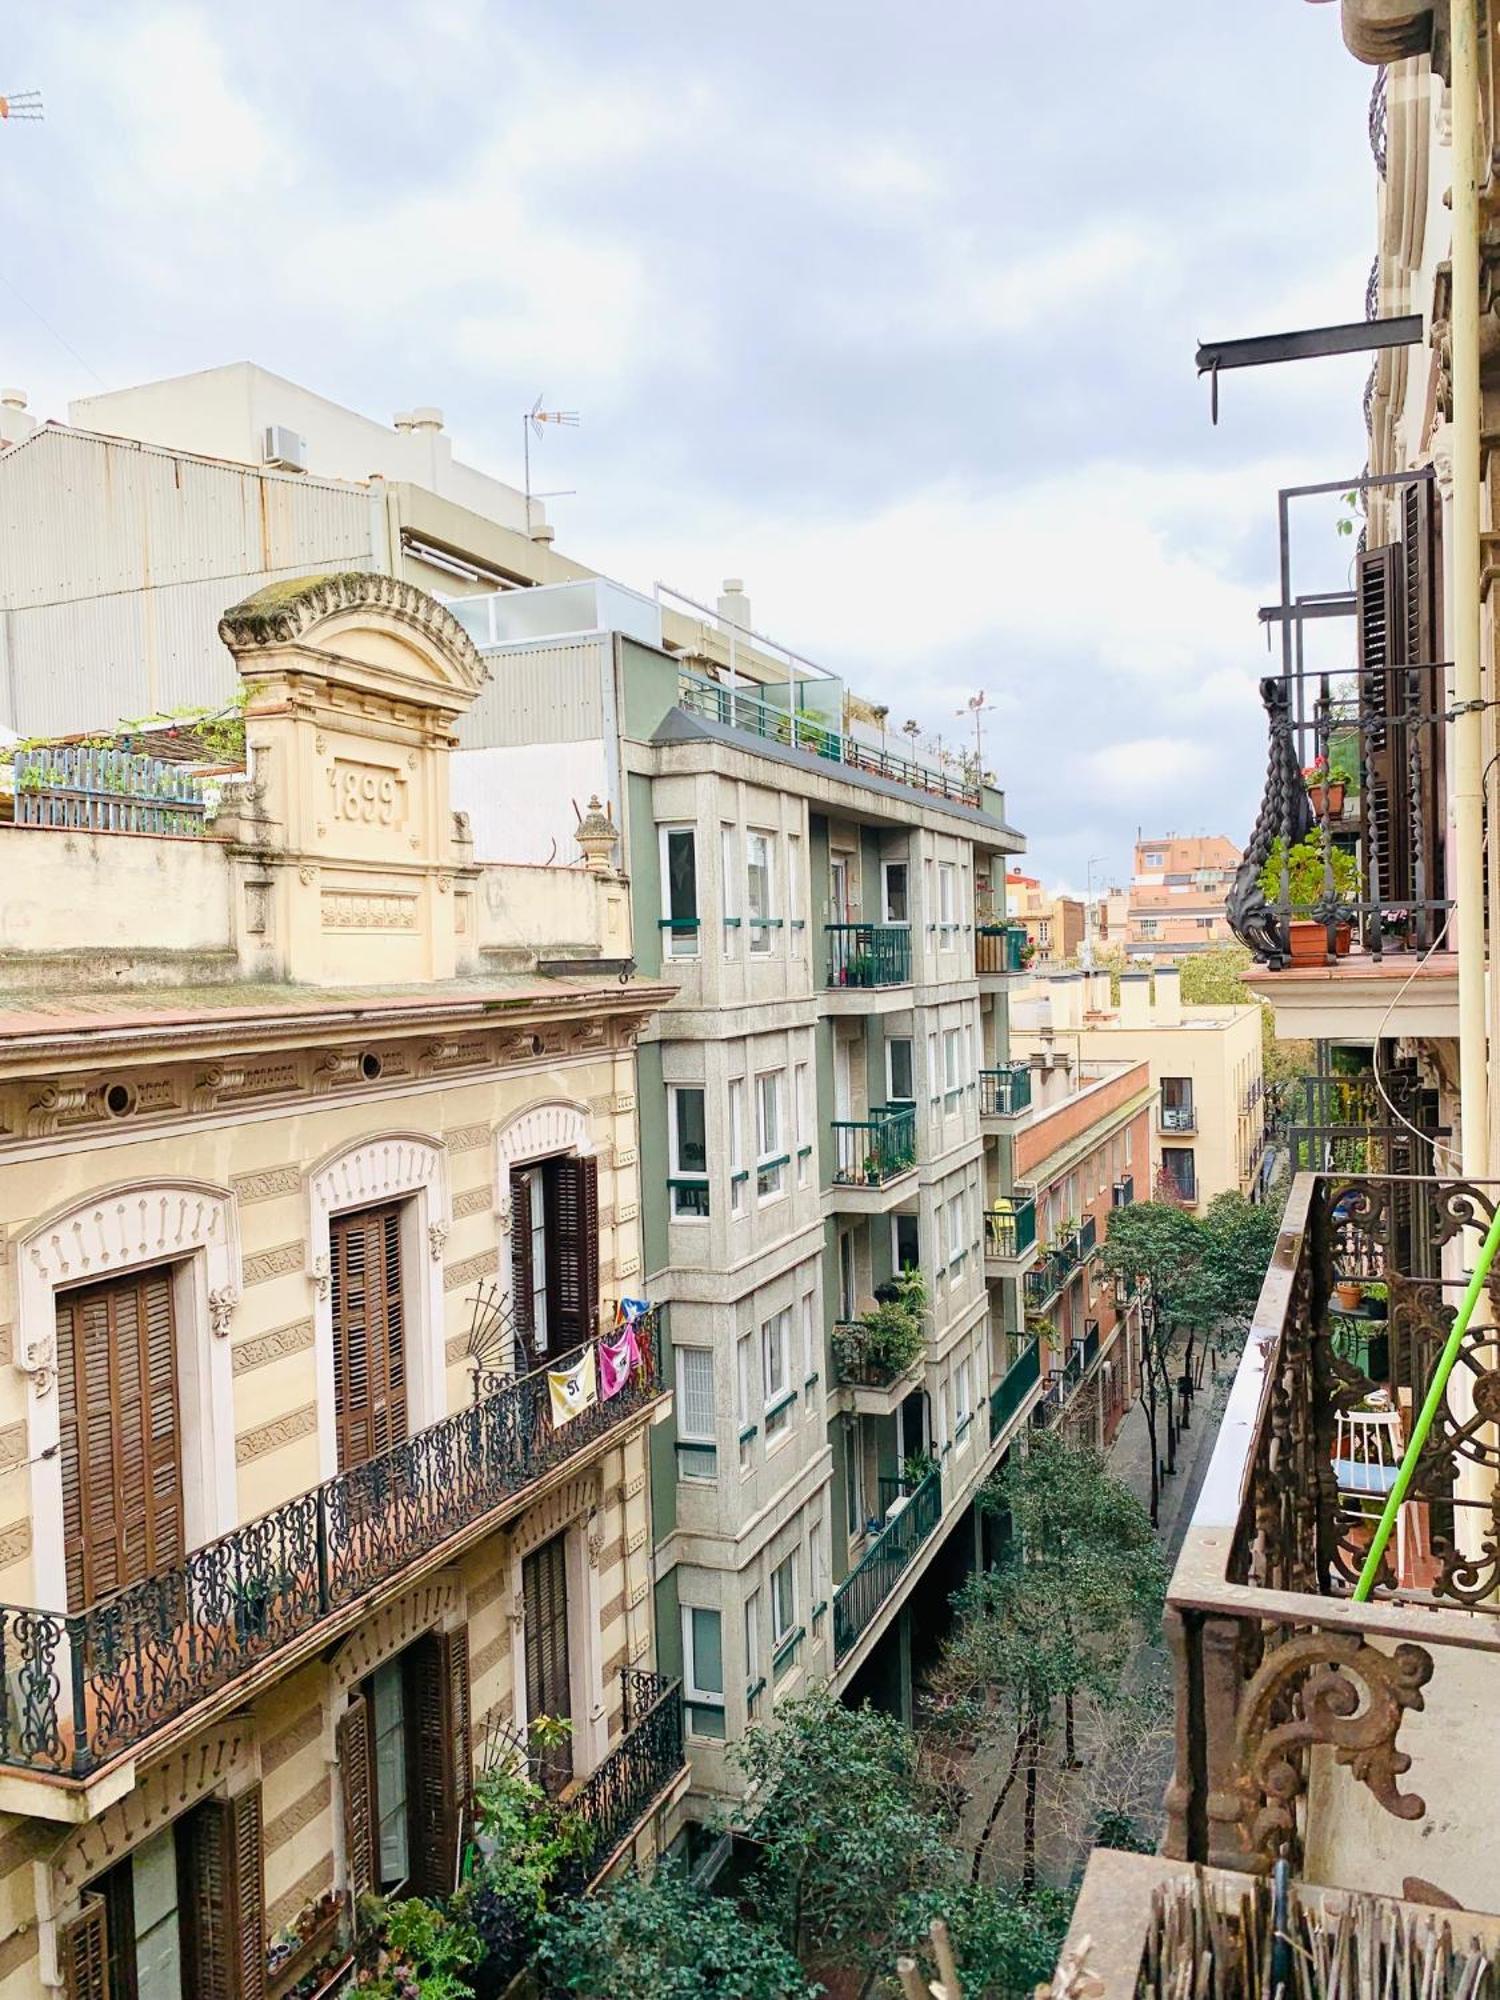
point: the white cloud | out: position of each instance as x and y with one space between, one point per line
1141 768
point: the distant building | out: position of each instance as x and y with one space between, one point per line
1054 924
1177 895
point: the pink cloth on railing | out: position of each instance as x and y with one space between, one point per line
618 1360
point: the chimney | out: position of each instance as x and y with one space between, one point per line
15 421
734 605
1169 996
1135 999
1065 995
403 420
424 418
1098 995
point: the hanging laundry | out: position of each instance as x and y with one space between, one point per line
573 1389
618 1360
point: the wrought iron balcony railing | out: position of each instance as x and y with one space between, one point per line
1090 1347
1009 1232
865 955
615 1796
78 1688
867 1586
868 1152
1005 1092
1274 1656
1014 1386
1088 1236
1361 1124
1000 949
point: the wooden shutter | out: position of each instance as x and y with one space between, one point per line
224 1910
1381 635
120 1437
442 1777
522 1274
83 1953
369 1333
544 1595
573 1246
1422 645
353 1748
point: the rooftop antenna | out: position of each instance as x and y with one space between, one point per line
23 104
533 420
976 706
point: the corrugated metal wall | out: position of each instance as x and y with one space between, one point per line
541 692
117 560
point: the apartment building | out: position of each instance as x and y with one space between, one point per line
325 1417
1175 903
1208 1131
1055 925
1327 1693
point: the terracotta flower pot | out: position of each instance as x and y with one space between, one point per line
1309 942
1349 1292
1329 795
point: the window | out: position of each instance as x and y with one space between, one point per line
1177 1104
817 1564
1127 1145
388 1734
1148 927
753 1677
895 906
1044 933
744 1363
904 1243
703 1670
1153 859
947 895
932 1065
963 1393
900 1082
776 1370
739 1173
1178 1167
758 890
689 1150
803 1113
729 888
771 1161
952 1061
940 1215
554 1252
397 1754
679 889
794 879
696 1455
971 1069
810 1355
783 1601
957 1236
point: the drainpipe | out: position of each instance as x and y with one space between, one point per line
1468 743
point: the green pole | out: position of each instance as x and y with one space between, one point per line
1429 1410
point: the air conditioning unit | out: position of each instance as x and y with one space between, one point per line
280 446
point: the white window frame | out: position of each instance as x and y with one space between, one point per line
693 1694
744 1388
885 893
958 1236
680 944
702 1453
952 1062
739 1173
963 1394
948 919
780 1395
675 1167
781 1632
893 1096
770 1161
761 924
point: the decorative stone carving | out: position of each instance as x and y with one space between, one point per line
437 1236
438 1601
473 1201
321 1274
281 1431
482 1266
272 1346
221 1304
277 1263
265 1186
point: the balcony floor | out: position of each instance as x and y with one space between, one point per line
1352 999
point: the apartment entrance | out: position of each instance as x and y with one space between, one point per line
369 1333
120 1438
549 1688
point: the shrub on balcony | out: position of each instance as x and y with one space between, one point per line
887 1339
1305 871
412 1948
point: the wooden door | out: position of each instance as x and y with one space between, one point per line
544 1591
120 1434
369 1333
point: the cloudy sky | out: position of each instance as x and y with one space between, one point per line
890 311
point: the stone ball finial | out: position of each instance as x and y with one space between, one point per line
597 835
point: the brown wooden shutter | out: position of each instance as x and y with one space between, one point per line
1381 634
353 1749
522 1274
83 1953
224 1899
120 1435
1422 645
544 1596
443 1777
573 1229
369 1333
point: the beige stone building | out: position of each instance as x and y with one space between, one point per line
319 1199
1208 1131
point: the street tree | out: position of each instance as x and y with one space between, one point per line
1156 1246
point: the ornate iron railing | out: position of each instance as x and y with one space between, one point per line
1000 949
736 708
77 1688
1361 1124
1014 1386
1005 1092
1010 1232
868 1152
866 955
867 1586
614 1798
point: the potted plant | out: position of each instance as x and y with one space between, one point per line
1375 1302
1348 1292
1310 866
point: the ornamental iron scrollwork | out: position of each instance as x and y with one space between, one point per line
1323 1688
1284 815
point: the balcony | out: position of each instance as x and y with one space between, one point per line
620 1792
1008 1397
1005 1093
79 1689
1176 1118
1346 1735
872 1152
1000 951
864 957
1361 1124
1123 1192
1009 1235
857 1600
1088 1236
1052 1271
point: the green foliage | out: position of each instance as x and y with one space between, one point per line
1004 1943
1237 1239
669 1940
889 1337
1307 876
413 1950
848 1825
524 1840
1156 1242
1216 978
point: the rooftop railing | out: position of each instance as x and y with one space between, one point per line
866 955
858 1599
739 708
868 1152
79 1688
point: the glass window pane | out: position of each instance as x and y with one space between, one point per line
692 1136
695 1393
708 1653
390 1771
902 1086
682 873
158 1950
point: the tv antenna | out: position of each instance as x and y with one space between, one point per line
978 706
533 420
22 104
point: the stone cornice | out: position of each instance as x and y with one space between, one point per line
289 613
